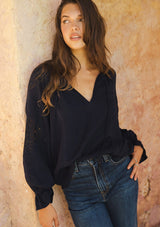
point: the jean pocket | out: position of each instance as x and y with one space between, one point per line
116 162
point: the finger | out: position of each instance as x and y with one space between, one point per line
136 174
133 171
132 162
135 159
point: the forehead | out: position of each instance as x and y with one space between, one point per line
71 10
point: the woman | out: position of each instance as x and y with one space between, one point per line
73 137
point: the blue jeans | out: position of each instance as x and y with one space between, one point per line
102 194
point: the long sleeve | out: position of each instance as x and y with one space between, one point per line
128 134
36 145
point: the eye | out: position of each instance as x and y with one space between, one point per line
65 21
81 19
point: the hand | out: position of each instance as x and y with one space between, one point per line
135 161
47 215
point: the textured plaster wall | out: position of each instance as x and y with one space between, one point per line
26 39
134 40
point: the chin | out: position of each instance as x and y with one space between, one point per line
77 47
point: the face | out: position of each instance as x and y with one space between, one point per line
72 26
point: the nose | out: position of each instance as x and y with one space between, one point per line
75 26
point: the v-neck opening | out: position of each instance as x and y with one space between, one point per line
93 92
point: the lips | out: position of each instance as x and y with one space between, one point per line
75 36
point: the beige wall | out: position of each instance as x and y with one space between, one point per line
26 38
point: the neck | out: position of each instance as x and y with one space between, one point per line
82 58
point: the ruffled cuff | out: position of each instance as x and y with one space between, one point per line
130 135
43 197
144 156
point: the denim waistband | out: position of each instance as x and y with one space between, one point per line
105 157
102 158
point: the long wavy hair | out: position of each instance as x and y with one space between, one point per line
63 65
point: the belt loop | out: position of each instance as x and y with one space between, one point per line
106 157
76 167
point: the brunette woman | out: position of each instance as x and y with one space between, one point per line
73 137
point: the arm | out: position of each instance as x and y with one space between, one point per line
36 146
139 153
36 153
129 134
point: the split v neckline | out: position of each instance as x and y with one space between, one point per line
93 92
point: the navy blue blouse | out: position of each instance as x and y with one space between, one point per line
76 129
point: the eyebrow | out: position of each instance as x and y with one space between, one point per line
80 15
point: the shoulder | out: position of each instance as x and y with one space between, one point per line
111 76
38 80
112 73
40 76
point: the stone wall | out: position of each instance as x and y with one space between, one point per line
27 30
